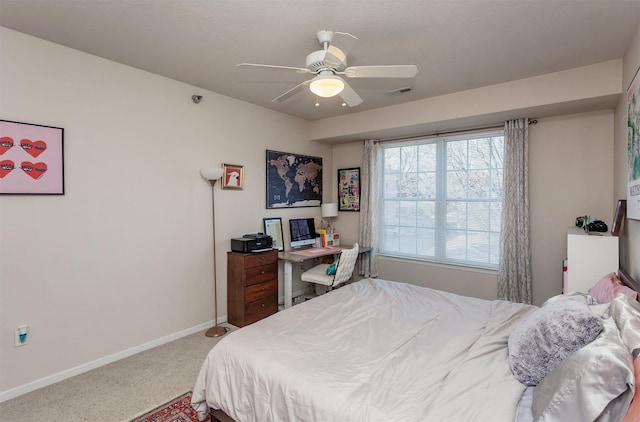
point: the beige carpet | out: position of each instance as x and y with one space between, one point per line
119 391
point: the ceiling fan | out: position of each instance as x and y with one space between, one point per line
330 63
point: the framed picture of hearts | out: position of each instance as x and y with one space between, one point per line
31 159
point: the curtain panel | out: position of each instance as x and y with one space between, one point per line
514 275
369 208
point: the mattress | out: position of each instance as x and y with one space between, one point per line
371 351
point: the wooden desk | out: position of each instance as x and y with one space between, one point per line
289 257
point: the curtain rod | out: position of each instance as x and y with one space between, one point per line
451 132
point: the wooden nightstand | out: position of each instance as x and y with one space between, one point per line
252 286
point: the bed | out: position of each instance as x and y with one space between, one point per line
379 350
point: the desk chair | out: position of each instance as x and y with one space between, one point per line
344 271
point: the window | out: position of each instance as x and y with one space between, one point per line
441 198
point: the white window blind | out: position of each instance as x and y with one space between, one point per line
441 198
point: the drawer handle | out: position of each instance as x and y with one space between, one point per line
262 272
262 289
262 305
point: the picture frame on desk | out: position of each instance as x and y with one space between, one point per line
273 228
332 240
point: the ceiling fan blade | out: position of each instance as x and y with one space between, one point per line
392 71
291 92
297 69
344 41
349 96
336 53
334 57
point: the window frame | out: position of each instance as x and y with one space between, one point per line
442 200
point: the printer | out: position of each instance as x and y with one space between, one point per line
258 242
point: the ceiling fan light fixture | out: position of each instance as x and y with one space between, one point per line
326 85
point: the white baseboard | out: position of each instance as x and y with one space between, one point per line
60 376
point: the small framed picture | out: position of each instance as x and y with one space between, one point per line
621 209
233 176
349 189
273 228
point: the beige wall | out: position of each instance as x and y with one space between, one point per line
570 174
570 91
630 238
124 258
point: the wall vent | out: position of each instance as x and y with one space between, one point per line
399 91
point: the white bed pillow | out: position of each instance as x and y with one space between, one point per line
548 335
625 311
594 383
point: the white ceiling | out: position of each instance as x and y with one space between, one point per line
456 44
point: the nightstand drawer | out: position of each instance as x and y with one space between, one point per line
256 260
255 311
260 274
260 291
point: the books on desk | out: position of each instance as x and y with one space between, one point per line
322 234
326 240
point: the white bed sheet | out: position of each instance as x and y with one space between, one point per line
371 351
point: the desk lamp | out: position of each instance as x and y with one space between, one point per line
328 212
212 175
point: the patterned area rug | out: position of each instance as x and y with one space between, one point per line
177 410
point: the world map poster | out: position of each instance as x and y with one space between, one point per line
293 180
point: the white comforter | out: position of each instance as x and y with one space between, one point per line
374 350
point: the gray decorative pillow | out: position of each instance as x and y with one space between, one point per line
548 335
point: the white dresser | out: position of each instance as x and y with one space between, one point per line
590 256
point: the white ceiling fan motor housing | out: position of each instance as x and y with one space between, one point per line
331 59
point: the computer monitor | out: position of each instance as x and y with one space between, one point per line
303 232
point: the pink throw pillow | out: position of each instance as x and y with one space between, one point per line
605 290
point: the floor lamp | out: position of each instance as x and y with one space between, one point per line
212 175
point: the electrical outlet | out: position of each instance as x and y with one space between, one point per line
21 336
